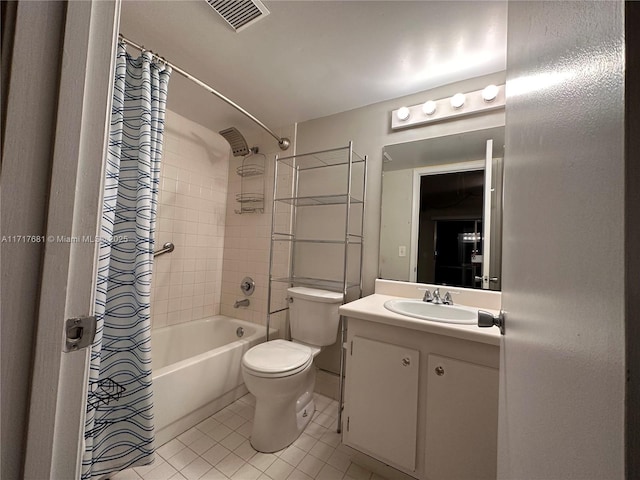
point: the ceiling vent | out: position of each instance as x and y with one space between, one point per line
239 13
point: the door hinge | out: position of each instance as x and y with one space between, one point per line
351 351
347 424
79 333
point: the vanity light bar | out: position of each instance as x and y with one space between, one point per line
458 105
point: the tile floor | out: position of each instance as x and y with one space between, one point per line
218 449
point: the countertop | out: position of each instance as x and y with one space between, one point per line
371 308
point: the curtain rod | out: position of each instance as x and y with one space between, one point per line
283 142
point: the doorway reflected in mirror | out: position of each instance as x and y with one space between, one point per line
450 230
441 219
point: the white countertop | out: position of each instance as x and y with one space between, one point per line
371 308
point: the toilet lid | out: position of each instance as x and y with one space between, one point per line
277 358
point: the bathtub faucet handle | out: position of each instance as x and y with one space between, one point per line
247 286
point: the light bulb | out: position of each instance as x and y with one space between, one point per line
457 100
490 93
429 107
403 113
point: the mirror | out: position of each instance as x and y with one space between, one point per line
442 210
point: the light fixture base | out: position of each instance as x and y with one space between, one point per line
474 103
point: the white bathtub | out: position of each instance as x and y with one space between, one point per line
197 370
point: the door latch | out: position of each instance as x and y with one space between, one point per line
79 333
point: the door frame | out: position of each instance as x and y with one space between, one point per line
54 436
415 204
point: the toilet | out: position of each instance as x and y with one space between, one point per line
280 373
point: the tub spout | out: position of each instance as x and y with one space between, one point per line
241 303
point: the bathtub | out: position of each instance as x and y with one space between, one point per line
197 370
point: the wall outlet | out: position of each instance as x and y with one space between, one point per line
402 251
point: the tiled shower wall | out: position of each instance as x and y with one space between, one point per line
247 240
191 213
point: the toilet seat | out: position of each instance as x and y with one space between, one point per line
277 358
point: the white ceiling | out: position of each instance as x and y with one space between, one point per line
313 58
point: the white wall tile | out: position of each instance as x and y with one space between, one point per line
195 161
215 247
247 240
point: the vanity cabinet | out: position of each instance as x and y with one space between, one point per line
383 397
423 403
462 419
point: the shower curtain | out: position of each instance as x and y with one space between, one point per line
119 418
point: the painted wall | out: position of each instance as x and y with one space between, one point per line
563 385
395 231
370 129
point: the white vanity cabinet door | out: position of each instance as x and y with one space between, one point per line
382 401
462 420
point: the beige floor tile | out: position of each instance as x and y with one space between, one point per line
262 461
196 469
183 458
245 451
322 451
329 473
279 470
219 448
358 472
170 448
299 475
216 454
311 465
246 472
293 455
232 441
230 464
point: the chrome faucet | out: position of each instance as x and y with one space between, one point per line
241 303
427 295
447 300
436 297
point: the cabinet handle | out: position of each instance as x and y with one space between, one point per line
406 361
439 371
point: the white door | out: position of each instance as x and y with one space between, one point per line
58 390
561 413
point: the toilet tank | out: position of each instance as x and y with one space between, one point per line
313 315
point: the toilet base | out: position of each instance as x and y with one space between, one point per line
276 425
304 416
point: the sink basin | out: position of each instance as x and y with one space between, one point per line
431 312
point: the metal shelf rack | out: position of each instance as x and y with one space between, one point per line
251 196
308 180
